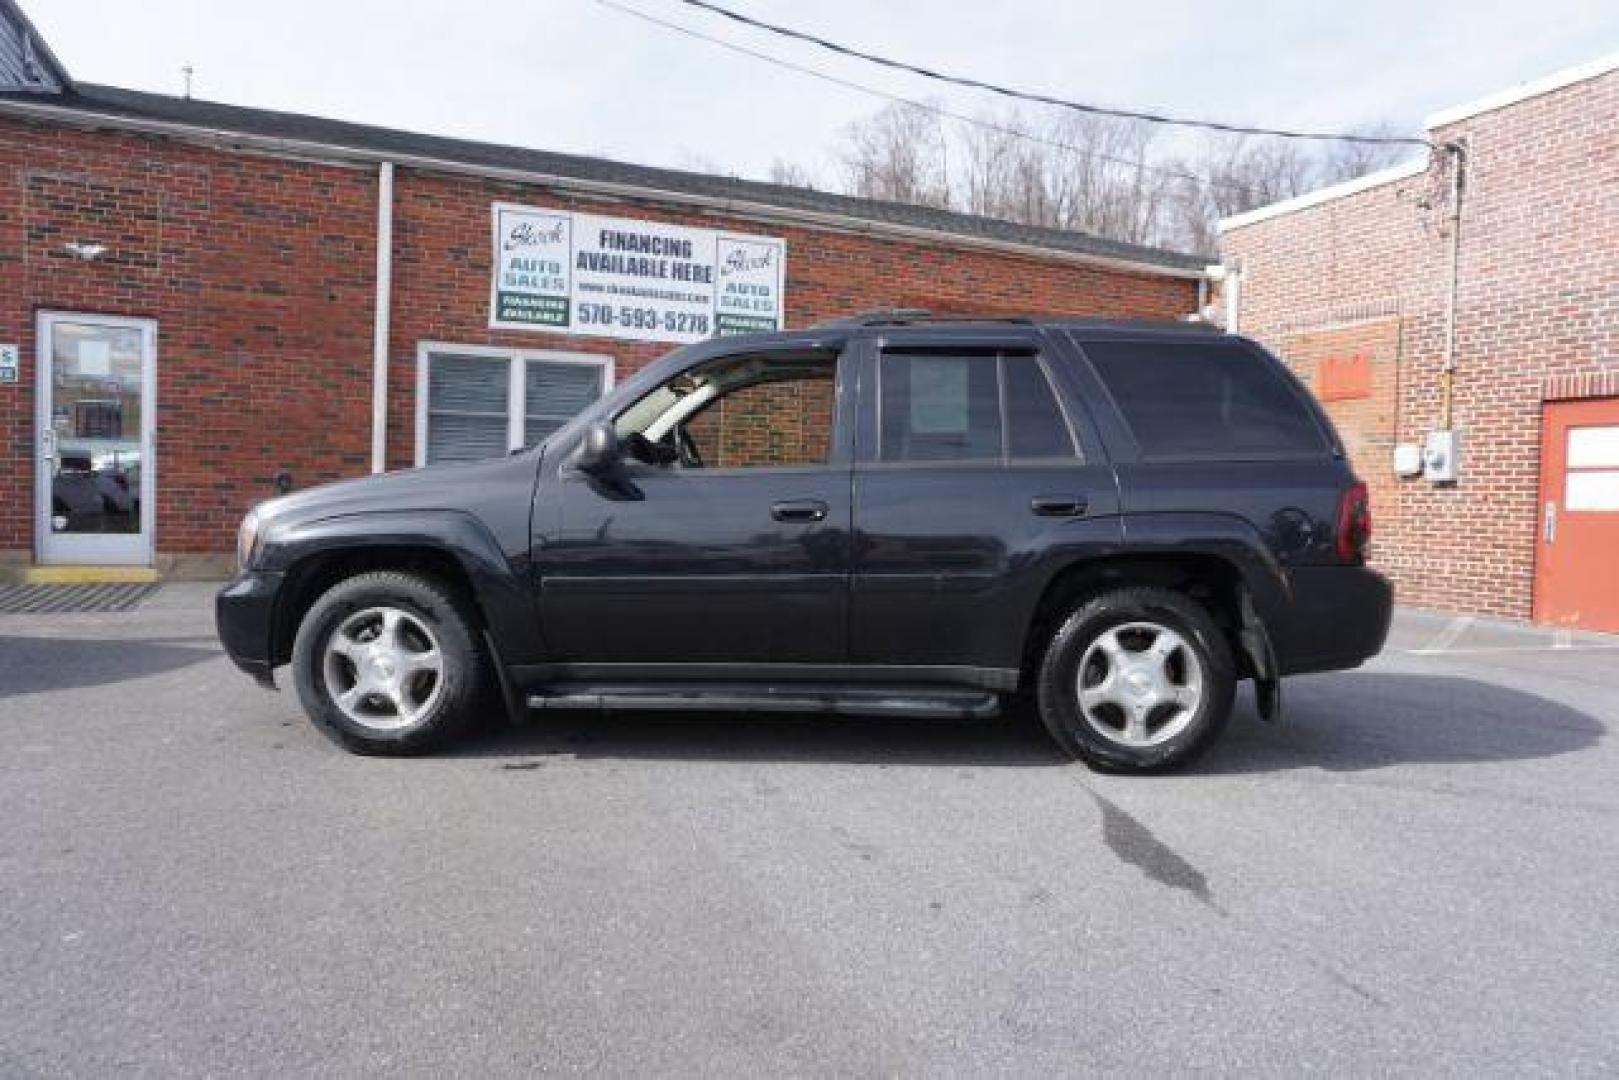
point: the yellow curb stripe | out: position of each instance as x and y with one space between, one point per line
87 575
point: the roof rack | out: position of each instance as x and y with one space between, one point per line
920 316
903 316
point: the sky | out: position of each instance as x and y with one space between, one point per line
577 76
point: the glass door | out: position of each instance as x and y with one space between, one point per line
94 497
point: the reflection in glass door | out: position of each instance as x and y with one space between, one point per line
94 495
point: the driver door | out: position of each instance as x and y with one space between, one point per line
726 541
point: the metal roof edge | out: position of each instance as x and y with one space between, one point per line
1592 69
326 151
1501 99
1323 195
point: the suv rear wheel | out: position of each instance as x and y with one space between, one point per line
388 663
1137 680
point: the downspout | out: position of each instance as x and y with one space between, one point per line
379 331
1458 162
1233 296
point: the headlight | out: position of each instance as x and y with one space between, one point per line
247 541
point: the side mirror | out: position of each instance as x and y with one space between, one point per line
598 452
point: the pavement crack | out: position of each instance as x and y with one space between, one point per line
1135 844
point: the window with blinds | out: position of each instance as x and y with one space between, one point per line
481 402
468 416
553 394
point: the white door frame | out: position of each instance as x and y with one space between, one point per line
110 549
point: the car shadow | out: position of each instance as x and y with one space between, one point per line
1348 722
1357 721
37 665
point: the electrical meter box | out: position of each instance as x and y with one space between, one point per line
1408 460
1439 454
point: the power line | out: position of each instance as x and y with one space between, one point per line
1046 99
928 107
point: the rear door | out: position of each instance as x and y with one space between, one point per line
972 471
1575 580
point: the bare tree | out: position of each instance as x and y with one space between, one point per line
899 155
1234 174
992 159
1342 161
1076 172
1102 180
790 174
1098 175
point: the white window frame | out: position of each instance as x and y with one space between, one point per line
517 361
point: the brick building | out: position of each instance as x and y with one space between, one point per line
1353 285
197 298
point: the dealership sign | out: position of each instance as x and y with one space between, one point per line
644 280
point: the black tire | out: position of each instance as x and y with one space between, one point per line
1058 684
454 697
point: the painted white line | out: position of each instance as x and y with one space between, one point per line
1447 637
1563 639
1510 649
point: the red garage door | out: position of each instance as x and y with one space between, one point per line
1577 564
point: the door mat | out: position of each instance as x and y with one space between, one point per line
42 599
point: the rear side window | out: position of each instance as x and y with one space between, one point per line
938 406
1205 400
1035 427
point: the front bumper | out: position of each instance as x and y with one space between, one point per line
244 614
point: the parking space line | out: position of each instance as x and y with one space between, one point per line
1509 649
1446 637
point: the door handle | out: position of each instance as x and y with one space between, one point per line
1058 505
799 510
1549 530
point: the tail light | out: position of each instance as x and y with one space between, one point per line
1354 523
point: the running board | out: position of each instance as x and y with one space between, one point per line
913 702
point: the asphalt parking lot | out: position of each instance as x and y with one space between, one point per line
1417 872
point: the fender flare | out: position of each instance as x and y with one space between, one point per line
499 590
1263 586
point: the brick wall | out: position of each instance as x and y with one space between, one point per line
1538 300
1330 360
260 274
781 423
442 267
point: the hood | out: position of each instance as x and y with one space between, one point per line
434 487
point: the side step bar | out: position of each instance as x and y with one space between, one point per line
914 702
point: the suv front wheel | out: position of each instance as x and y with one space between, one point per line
388 663
1137 680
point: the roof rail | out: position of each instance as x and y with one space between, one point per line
901 316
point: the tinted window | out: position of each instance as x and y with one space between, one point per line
1205 399
1035 427
938 407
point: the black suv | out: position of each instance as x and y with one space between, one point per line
889 515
